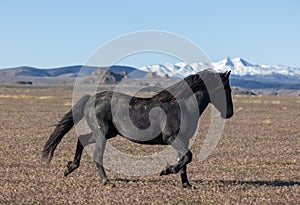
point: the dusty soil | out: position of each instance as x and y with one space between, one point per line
257 160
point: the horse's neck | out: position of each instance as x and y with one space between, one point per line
202 98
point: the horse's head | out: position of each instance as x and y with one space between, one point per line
219 90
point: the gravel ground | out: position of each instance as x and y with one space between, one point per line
257 160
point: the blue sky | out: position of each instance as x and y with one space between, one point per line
58 33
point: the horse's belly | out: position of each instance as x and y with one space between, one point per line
155 141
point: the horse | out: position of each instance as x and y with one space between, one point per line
206 87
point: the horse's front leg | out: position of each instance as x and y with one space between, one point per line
184 179
185 157
183 174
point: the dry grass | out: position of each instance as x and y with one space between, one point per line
257 161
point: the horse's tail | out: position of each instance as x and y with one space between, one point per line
64 126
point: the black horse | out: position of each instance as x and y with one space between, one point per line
206 87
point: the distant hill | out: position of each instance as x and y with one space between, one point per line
104 77
260 84
241 91
70 71
66 74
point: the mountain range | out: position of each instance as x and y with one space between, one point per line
261 79
257 78
239 67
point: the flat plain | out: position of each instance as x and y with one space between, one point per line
257 160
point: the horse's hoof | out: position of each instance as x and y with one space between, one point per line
186 185
163 172
167 171
111 185
71 166
66 172
107 183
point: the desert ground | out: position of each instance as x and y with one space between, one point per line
257 160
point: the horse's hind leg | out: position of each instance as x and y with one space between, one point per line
98 158
99 119
101 135
82 141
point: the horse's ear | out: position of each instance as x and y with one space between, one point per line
227 74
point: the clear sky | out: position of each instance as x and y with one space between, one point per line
58 33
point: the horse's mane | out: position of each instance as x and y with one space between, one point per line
178 90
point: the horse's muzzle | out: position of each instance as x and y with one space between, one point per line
227 115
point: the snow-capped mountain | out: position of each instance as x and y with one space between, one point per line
238 66
178 70
241 67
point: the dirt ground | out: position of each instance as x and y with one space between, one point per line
257 160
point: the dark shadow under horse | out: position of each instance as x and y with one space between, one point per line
206 87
